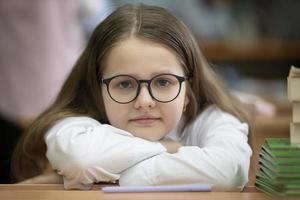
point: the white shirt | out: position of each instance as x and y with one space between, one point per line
215 152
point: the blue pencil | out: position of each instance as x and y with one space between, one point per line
158 188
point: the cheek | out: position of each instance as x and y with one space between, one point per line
113 110
116 115
173 111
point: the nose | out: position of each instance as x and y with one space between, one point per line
144 99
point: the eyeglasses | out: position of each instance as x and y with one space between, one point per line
125 88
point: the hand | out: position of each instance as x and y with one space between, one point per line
171 145
47 178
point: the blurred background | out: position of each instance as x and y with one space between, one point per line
252 44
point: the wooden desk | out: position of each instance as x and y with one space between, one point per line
56 192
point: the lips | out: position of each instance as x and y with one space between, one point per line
145 120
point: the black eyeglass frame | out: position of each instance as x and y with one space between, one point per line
139 82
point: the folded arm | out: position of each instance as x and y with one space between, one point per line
218 156
85 151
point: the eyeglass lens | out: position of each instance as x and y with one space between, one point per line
125 88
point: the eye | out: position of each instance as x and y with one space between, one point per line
125 84
162 82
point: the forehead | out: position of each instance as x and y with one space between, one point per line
141 58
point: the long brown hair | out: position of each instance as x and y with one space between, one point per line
81 93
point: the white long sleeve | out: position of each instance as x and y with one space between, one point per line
216 153
85 151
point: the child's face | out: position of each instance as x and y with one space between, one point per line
144 116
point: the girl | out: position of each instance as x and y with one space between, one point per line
141 107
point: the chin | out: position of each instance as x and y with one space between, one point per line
147 134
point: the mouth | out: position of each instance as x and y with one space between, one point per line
145 120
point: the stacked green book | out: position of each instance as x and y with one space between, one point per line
279 173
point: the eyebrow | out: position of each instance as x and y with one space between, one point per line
151 75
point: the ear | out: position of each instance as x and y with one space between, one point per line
186 102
